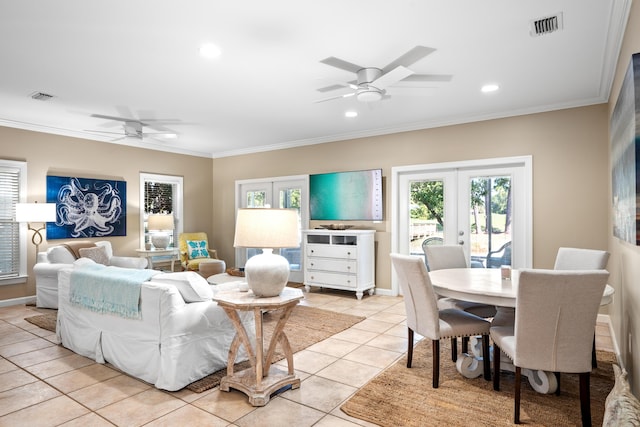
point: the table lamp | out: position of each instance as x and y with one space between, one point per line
36 212
159 224
267 273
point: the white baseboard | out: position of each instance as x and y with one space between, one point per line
18 301
605 318
385 292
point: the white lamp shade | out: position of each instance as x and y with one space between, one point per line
267 273
35 212
266 228
160 222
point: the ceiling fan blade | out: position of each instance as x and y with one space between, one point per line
410 91
392 77
341 64
120 119
346 95
332 87
103 131
428 78
409 58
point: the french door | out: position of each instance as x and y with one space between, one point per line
484 206
284 192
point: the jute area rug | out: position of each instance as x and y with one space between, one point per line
45 321
400 396
305 327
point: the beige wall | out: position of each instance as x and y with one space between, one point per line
624 264
570 173
51 154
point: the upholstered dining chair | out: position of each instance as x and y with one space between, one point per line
424 317
555 319
452 256
194 249
582 259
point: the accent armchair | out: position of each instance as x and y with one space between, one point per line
195 250
58 257
424 317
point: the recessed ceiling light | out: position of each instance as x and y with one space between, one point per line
351 114
209 51
490 88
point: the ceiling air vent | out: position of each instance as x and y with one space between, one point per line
546 25
41 96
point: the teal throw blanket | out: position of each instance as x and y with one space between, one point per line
108 289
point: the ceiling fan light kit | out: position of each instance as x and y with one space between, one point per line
369 94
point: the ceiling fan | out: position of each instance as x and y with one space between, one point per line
135 128
372 83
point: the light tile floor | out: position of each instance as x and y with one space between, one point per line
44 384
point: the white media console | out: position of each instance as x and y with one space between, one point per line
340 259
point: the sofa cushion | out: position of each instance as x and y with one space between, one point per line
97 254
197 249
60 255
192 286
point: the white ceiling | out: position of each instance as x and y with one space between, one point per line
140 60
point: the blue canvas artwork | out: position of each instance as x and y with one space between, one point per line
625 159
87 207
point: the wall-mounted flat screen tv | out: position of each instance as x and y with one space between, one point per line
346 196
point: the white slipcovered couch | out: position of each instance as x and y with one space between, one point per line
173 342
57 257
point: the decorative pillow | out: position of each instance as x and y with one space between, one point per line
192 286
60 255
621 407
83 261
197 249
97 253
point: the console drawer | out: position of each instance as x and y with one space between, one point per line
332 251
328 264
335 279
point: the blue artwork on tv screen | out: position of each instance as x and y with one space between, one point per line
346 196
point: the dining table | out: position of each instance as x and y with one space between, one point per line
496 287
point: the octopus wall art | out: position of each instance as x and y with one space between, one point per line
86 207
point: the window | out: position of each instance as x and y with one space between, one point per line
160 194
13 251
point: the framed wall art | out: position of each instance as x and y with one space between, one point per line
625 156
87 207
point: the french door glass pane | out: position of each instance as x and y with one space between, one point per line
256 199
427 214
490 219
289 198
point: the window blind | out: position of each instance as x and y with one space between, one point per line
9 228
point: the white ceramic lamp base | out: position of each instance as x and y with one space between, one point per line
267 273
160 240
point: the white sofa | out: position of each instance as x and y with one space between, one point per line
171 345
57 257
